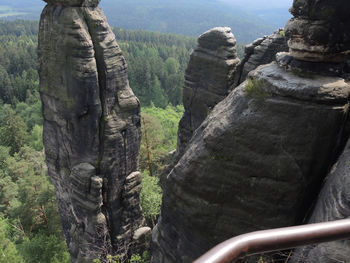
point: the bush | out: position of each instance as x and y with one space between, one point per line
151 198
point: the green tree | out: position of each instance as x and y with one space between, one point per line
172 65
5 86
151 198
8 251
36 138
43 248
13 131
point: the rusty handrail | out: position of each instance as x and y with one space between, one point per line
276 239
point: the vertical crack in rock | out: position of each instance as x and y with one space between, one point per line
91 130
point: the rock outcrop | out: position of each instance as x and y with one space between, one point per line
208 79
332 204
259 158
91 129
319 31
255 163
320 42
214 70
262 51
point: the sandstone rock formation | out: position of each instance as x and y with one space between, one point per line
259 158
262 51
208 79
320 33
332 204
255 163
91 129
319 30
214 71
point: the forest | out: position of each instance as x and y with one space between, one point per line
248 19
30 229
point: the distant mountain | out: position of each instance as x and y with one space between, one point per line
248 19
274 12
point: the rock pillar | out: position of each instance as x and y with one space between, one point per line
91 129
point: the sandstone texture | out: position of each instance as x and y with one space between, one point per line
91 129
319 30
208 79
262 51
256 162
333 203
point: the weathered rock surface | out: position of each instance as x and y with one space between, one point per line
91 129
256 162
319 30
333 204
262 51
208 79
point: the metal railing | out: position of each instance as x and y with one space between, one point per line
276 239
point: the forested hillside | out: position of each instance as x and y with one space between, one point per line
30 229
248 19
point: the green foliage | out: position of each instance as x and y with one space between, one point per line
157 64
30 111
151 198
186 17
255 88
27 199
43 248
36 138
161 126
8 250
135 258
13 131
18 75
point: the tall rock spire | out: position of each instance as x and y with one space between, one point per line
91 129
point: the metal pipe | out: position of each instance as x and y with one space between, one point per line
276 239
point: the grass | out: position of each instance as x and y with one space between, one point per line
255 88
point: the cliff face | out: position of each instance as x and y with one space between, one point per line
333 203
259 158
320 32
208 79
262 51
91 129
255 163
